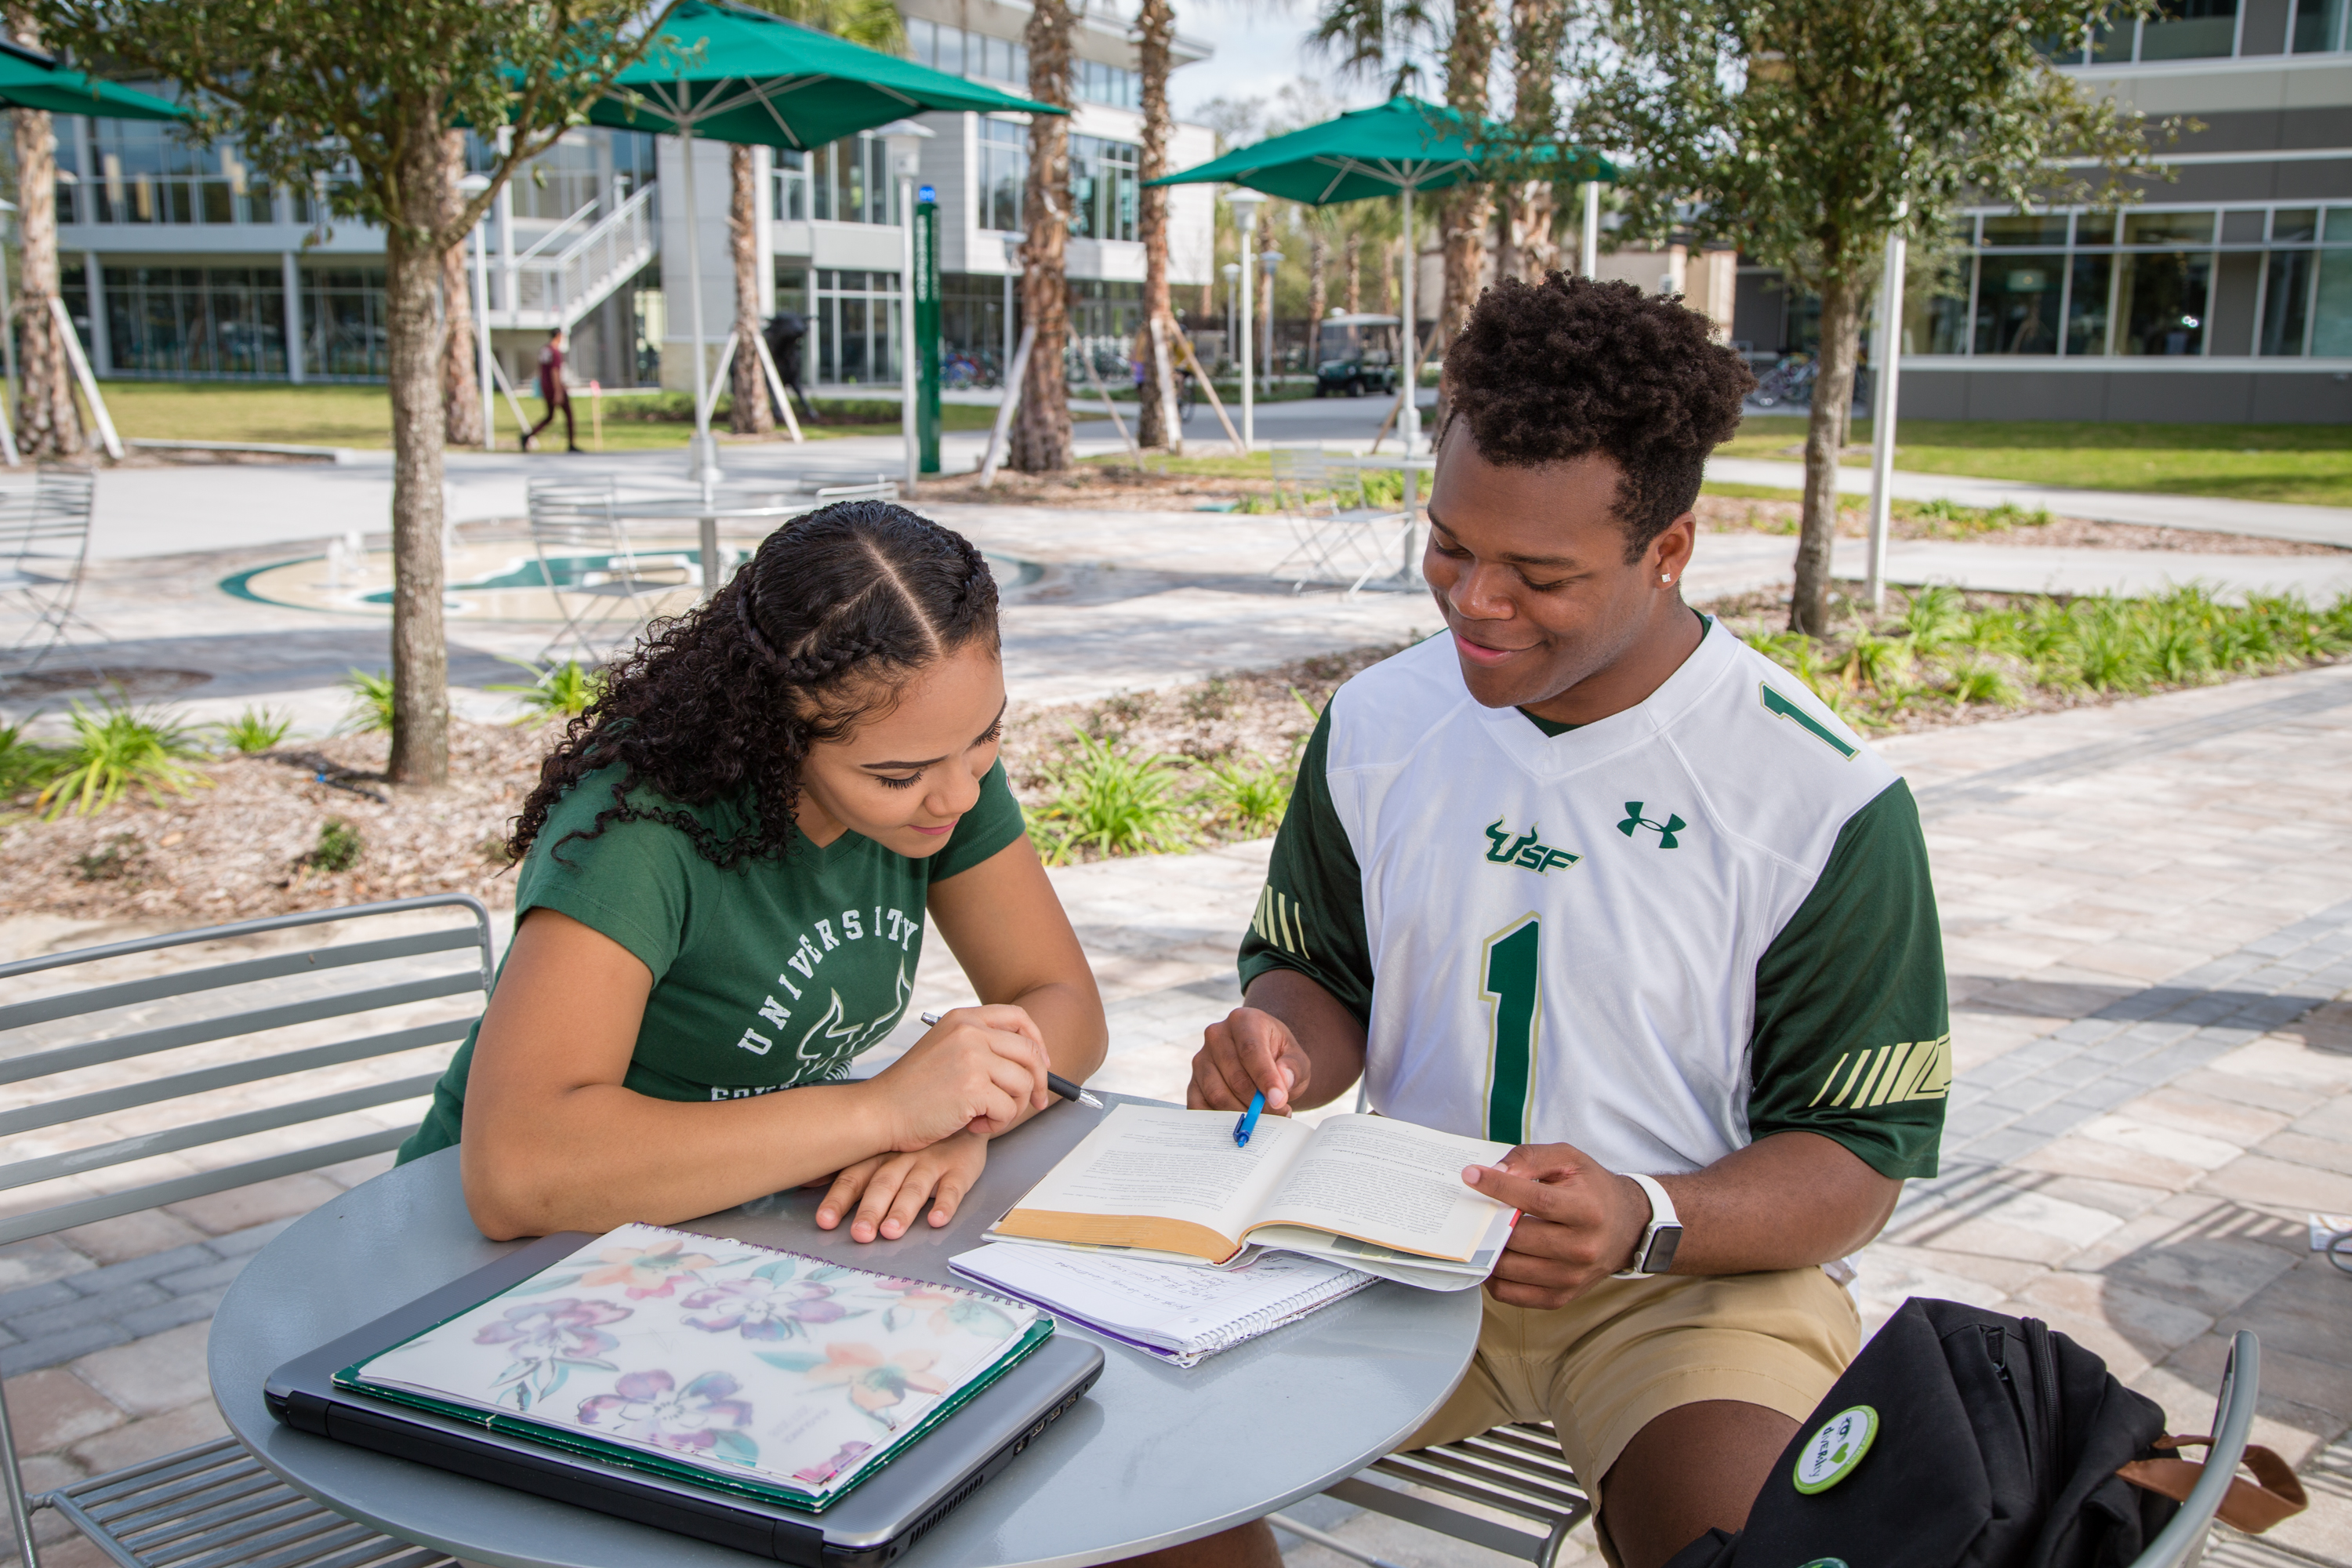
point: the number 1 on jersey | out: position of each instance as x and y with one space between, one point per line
1510 972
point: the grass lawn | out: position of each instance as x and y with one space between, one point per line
332 416
2310 464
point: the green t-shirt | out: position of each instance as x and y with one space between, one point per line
1733 933
768 975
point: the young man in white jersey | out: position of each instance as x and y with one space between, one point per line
1589 876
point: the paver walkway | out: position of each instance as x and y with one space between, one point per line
2262 520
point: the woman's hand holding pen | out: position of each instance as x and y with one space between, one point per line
1245 1054
978 1069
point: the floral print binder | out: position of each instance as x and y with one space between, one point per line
771 1374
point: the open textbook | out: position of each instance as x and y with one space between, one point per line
1379 1195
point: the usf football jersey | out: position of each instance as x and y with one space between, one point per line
1657 937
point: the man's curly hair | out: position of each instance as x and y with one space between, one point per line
814 635
1543 372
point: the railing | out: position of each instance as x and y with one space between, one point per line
543 291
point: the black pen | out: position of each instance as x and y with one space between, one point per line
1054 1080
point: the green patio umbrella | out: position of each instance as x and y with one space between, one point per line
31 79
1396 148
734 74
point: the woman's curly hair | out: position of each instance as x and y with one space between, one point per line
816 634
1543 372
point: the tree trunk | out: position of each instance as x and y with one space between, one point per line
461 371
747 383
420 654
1842 302
47 426
1539 28
1041 432
1355 273
1155 32
1318 288
1466 212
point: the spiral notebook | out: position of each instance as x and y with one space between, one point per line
1175 1311
769 1374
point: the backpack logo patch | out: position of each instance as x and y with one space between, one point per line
1634 822
1833 1452
1522 849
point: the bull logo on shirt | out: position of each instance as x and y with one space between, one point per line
1524 849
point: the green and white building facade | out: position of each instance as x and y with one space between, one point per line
178 266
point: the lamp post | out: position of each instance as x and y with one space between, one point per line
474 185
1011 275
1245 204
1233 271
7 328
1888 353
1267 261
903 140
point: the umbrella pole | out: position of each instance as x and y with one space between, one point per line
705 461
1409 426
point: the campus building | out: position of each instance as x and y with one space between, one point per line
2224 295
175 265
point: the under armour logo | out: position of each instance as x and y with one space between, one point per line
1634 821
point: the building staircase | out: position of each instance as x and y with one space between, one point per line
575 267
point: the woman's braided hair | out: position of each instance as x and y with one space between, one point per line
816 634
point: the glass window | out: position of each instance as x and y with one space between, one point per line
922 41
2016 303
343 322
1003 170
2318 26
2189 30
791 194
2026 228
2094 228
2291 226
1103 189
2331 327
2086 305
1935 320
2167 228
2161 303
2111 39
2287 297
2339 225
949 57
197 321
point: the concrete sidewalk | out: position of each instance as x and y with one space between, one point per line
2260 520
1998 568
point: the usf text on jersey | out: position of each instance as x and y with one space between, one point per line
1524 850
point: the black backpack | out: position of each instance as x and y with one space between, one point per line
1958 1439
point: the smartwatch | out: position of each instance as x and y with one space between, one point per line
1654 1253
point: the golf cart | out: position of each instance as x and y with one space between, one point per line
1356 355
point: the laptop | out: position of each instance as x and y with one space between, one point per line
871 1525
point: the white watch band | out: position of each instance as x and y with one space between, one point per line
1662 1218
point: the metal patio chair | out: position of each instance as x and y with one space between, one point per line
1338 535
577 522
196 1049
43 552
2182 1542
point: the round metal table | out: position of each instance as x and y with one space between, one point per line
1155 1455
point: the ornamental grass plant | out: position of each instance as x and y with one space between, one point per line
115 748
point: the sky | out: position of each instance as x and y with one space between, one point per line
1260 49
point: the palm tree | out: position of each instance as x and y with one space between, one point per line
46 423
1466 212
873 23
1156 29
1538 29
1041 432
461 383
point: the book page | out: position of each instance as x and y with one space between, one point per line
1389 1182
1173 1180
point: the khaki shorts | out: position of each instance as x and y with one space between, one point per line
1617 1358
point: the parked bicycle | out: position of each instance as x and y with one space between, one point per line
1789 381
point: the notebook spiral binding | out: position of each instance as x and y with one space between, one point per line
1274 1315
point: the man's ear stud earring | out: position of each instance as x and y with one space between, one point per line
1666 576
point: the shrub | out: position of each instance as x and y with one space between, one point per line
1883 664
371 710
114 748
555 691
1934 617
1251 799
255 730
24 764
1109 799
338 849
1980 683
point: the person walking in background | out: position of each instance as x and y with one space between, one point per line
551 390
786 332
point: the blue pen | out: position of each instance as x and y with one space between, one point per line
1248 1123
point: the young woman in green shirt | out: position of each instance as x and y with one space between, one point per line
726 870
